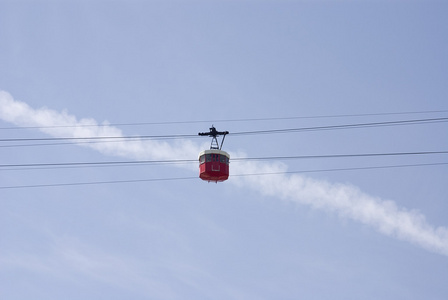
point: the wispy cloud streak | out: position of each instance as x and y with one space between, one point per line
62 124
350 202
346 200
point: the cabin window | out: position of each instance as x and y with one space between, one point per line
208 157
202 159
223 158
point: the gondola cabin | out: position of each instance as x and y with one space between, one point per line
214 165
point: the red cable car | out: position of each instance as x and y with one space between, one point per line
214 163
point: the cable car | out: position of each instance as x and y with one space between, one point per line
214 163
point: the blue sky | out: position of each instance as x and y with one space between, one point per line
364 234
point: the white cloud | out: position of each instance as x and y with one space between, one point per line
346 200
62 124
349 202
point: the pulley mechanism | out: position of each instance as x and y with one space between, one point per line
214 134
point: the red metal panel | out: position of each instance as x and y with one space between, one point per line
214 171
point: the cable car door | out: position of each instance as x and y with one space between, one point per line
215 163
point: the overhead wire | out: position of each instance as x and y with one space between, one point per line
183 136
344 169
232 120
191 177
183 161
109 139
345 126
154 137
94 183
